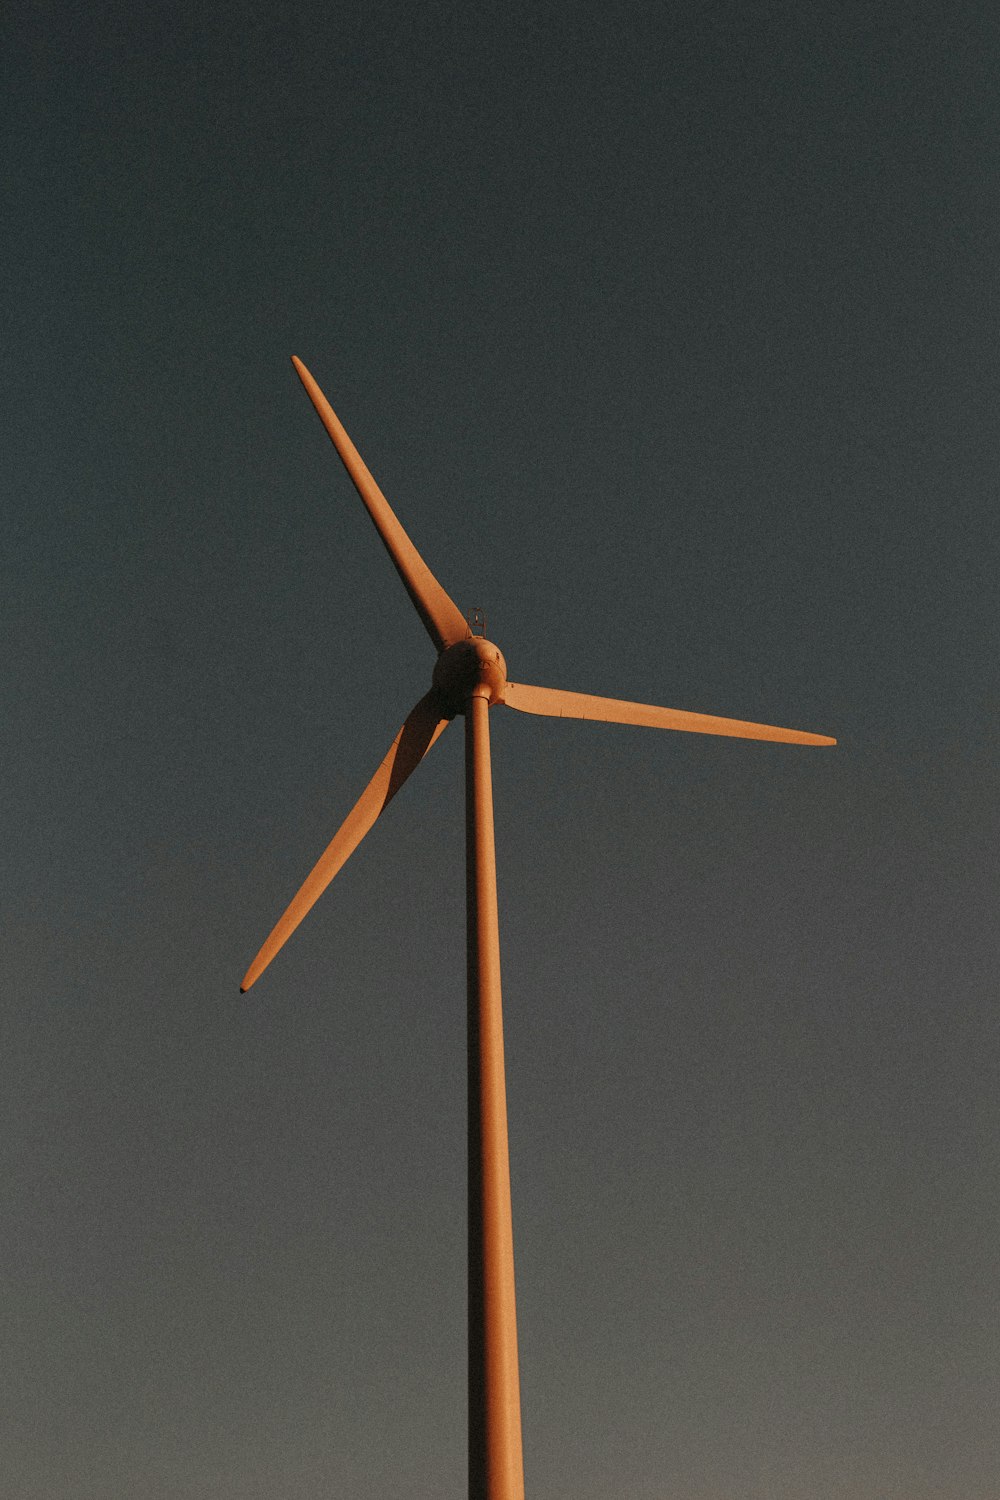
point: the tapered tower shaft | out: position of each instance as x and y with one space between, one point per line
496 1470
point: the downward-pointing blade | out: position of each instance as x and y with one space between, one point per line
421 729
557 704
443 620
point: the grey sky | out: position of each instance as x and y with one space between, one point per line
671 333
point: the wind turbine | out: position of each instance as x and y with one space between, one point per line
470 678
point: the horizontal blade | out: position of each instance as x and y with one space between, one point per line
422 727
556 704
443 620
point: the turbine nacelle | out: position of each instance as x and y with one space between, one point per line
461 669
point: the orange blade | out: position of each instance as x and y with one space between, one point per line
559 705
422 727
443 620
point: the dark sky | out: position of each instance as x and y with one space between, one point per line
672 333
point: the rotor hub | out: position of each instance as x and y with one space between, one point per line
470 666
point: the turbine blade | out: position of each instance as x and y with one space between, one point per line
559 705
443 620
421 729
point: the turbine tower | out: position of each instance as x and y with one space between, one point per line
470 678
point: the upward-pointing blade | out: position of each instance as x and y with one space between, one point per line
557 704
421 729
443 620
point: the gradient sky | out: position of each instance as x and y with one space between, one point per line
672 333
